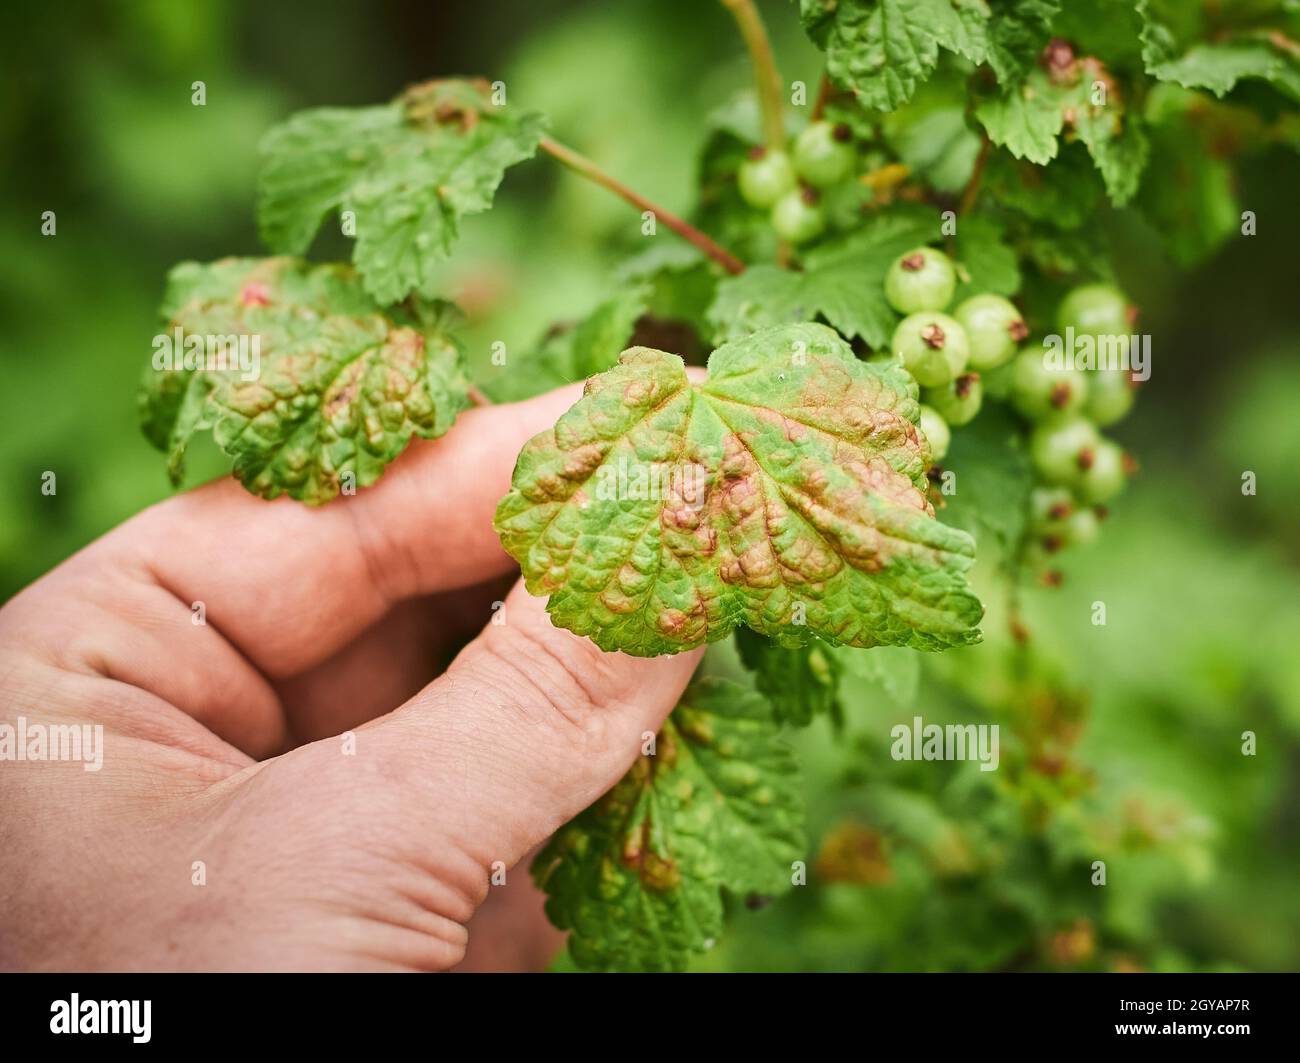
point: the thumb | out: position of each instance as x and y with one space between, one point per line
528 727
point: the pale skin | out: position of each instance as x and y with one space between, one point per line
222 741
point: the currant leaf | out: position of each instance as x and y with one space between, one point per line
408 170
883 49
573 354
801 682
1180 43
337 388
1081 100
842 281
787 494
638 876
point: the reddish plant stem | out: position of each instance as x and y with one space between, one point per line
823 97
582 165
972 190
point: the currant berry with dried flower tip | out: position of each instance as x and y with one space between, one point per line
932 347
1063 449
995 328
765 177
1040 391
923 279
823 154
1096 310
799 216
958 401
1105 475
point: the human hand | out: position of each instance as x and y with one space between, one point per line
225 742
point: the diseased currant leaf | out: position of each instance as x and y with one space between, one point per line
408 170
1078 99
638 876
329 386
1183 43
842 281
883 49
800 681
569 355
786 494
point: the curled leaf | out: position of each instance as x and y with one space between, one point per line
301 379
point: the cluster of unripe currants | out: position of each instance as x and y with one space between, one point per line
790 184
1078 469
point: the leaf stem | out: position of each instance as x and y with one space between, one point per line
972 190
823 97
582 165
751 28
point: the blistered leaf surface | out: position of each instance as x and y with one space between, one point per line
786 494
335 392
637 877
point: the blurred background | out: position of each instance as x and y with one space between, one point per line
1127 737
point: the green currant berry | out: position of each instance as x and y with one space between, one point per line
995 328
1040 391
1082 528
798 216
1104 476
1050 509
1111 393
956 402
1095 310
765 177
1063 448
932 347
823 154
923 279
936 432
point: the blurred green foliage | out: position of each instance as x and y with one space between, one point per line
1121 742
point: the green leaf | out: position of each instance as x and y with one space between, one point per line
992 479
787 494
932 138
408 171
883 49
842 281
1065 194
1190 196
334 393
567 356
637 877
1080 101
1180 43
684 282
800 681
1018 32
885 673
985 262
